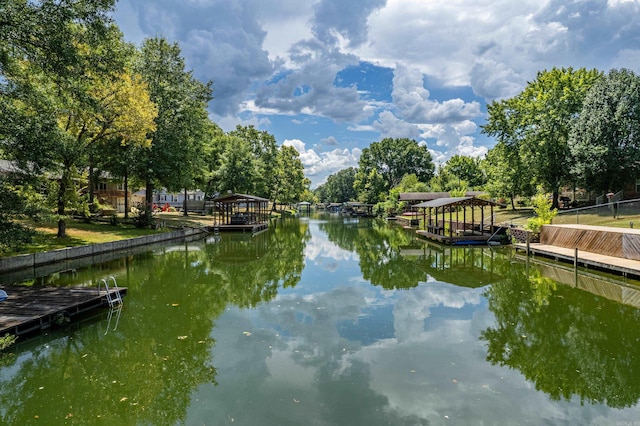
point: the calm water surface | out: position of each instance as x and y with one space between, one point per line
332 321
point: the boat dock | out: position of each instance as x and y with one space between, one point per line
614 250
31 309
615 265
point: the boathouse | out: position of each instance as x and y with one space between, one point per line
453 221
240 212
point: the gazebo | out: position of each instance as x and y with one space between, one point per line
240 212
441 218
304 206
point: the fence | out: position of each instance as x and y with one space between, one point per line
622 213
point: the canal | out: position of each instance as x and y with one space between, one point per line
326 320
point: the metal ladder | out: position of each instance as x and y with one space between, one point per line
116 299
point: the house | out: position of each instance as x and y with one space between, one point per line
195 199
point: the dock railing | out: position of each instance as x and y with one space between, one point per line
627 212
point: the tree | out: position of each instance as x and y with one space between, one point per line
409 183
181 125
237 169
383 165
54 57
466 169
339 187
42 33
290 180
538 122
265 151
117 108
506 174
605 138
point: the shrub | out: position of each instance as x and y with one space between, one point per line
142 218
543 213
13 236
7 341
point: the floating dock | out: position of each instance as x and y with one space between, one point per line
32 309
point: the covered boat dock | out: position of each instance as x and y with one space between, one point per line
445 220
240 212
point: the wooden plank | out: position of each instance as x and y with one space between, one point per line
616 242
29 309
616 265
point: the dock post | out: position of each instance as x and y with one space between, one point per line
528 241
575 257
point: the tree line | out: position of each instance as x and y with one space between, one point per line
77 103
574 128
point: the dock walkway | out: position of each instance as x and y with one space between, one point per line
616 265
31 309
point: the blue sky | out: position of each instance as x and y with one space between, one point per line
330 77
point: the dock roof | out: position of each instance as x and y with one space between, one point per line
457 201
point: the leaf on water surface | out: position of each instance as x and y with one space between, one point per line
246 333
182 337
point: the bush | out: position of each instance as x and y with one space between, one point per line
7 341
543 214
142 218
14 236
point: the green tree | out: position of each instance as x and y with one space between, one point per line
290 180
265 151
237 169
506 174
466 169
181 124
339 187
409 183
69 108
605 140
538 122
383 165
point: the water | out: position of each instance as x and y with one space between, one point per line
332 321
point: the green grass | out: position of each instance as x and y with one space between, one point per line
78 234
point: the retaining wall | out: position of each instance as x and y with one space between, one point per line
34 260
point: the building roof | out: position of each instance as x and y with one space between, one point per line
457 201
426 196
239 198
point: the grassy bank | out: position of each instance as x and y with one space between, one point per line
80 233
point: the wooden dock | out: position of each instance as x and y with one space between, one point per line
253 228
33 309
614 250
475 238
612 264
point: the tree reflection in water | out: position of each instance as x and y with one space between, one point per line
567 341
144 372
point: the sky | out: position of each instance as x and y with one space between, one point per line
330 77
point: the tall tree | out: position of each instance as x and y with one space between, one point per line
180 135
605 140
265 151
52 54
466 169
339 187
237 168
387 162
290 180
538 122
506 174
